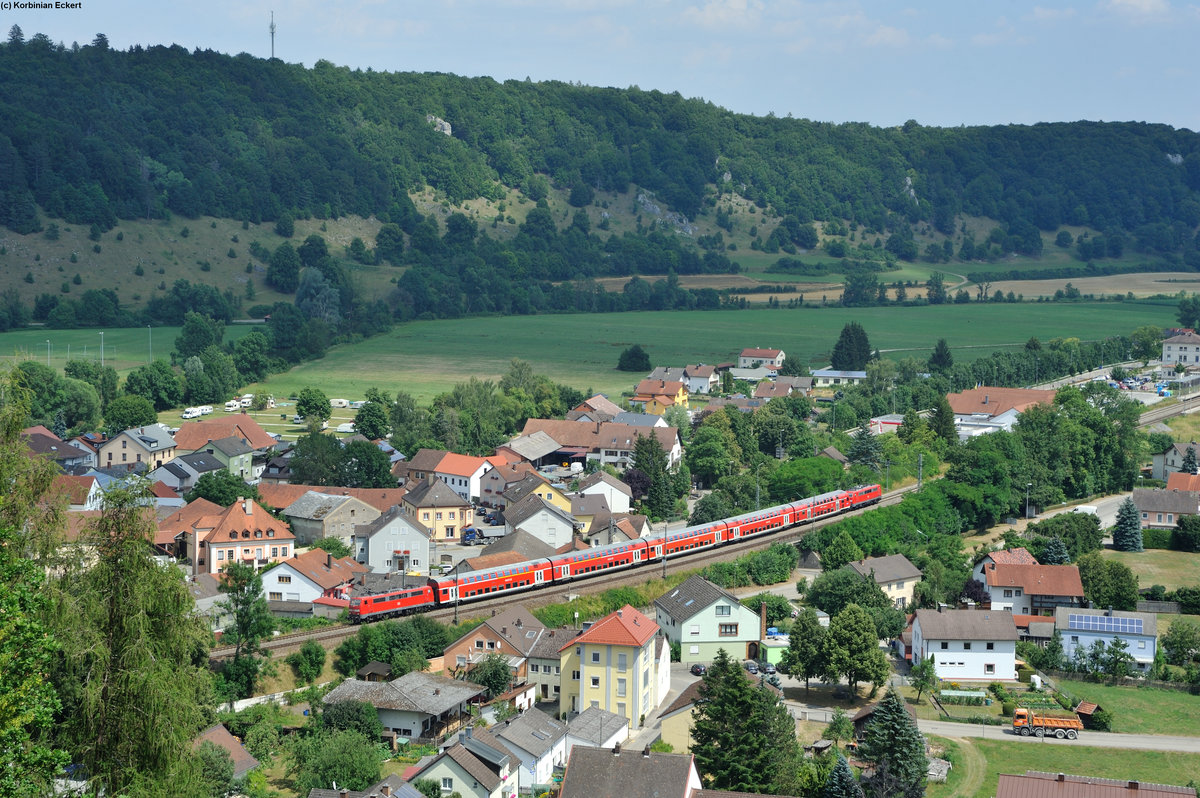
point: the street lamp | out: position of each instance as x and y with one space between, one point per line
47 353
1028 485
757 490
150 350
101 350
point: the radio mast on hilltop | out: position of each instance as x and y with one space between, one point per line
272 35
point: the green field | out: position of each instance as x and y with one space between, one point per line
427 358
124 348
1142 710
978 764
1171 569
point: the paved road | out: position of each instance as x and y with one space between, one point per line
1147 742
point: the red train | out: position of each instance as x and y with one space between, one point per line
475 585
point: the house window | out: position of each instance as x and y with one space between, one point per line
533 668
575 675
621 709
438 516
595 705
596 656
991 646
283 552
451 515
945 645
478 644
275 596
1008 594
449 531
270 533
621 662
1142 644
424 516
595 681
694 649
557 670
274 551
461 659
966 646
1074 638
620 688
723 609
284 579
727 630
220 554
989 669
695 630
1017 592
491 644
447 785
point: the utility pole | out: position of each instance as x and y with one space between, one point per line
920 468
272 35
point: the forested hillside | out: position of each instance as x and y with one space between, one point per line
92 136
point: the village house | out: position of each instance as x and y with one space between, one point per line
966 645
235 455
511 634
751 358
1164 464
310 576
150 447
382 499
243 532
703 618
1018 556
535 485
83 493
595 727
1034 784
534 451
613 773
170 528
182 473
1033 589
830 378
499 479
1159 508
539 743
894 574
439 509
463 473
424 463
316 516
782 386
393 542
985 409
243 761
1181 349
478 765
606 443
595 408
543 520
655 396
65 455
616 493
1081 628
418 706
195 436
613 665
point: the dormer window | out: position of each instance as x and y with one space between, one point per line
270 533
233 534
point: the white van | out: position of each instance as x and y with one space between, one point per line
205 409
339 403
232 406
190 412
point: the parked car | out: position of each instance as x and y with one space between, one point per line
752 667
698 669
766 667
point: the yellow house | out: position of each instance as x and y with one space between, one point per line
535 484
612 665
655 396
151 445
439 509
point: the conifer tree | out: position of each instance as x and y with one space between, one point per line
1056 552
1189 466
894 744
842 781
1127 535
852 350
866 449
942 422
940 360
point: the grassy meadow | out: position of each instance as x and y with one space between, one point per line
427 358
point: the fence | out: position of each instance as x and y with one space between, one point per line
1131 681
1170 607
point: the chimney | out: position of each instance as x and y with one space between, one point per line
1108 611
621 613
617 749
646 752
1133 785
438 691
246 506
328 561
385 789
1062 777
468 732
985 398
343 792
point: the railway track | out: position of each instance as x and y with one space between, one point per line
331 636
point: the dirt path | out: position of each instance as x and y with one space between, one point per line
974 769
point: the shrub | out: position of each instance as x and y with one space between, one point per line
1156 538
1007 708
1023 674
1102 720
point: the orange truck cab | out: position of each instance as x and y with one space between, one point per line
1026 722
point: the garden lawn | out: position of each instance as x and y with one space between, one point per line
1171 569
1008 756
1142 710
426 358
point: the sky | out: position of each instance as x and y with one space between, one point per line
940 62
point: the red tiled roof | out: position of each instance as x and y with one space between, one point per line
658 388
235 518
593 435
460 465
1019 556
767 353
1181 481
182 520
992 401
1038 580
160 490
195 435
76 489
220 736
1058 785
625 627
324 569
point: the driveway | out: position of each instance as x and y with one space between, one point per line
1145 742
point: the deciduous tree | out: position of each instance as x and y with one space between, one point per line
852 649
126 412
251 624
840 551
223 488
923 676
804 657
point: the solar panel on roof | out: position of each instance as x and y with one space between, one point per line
1105 623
